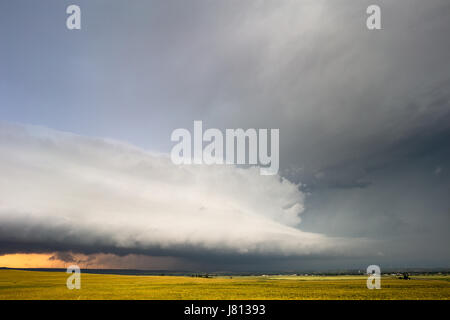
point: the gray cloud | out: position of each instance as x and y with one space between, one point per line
63 256
63 192
364 116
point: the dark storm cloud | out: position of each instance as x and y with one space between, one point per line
68 193
63 256
364 116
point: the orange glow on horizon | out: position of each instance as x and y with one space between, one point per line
30 260
94 261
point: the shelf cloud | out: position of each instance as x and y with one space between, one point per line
65 192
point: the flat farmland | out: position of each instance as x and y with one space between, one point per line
32 285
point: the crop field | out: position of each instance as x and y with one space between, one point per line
17 284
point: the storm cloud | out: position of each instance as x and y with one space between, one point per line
66 192
364 120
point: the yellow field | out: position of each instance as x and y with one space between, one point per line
15 284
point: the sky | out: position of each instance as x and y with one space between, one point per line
86 118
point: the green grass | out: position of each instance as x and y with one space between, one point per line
16 284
